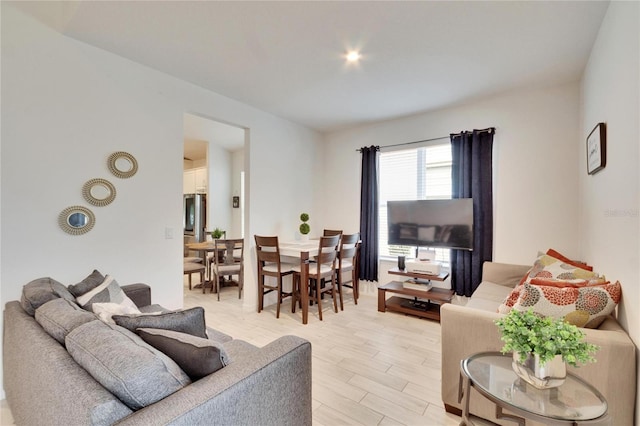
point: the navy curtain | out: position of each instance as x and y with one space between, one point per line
369 214
471 176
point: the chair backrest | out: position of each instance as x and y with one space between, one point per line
229 252
328 250
331 232
348 247
267 250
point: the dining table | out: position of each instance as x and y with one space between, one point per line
205 247
301 251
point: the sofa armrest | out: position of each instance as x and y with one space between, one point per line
139 293
271 386
503 273
466 331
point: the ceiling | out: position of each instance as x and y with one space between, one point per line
198 132
287 58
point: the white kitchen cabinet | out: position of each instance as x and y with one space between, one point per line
201 180
189 182
195 181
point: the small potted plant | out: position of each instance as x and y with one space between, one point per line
542 346
217 233
304 226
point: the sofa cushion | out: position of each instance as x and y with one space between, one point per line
584 306
58 317
556 268
122 362
92 281
547 266
198 357
190 321
565 259
107 292
39 291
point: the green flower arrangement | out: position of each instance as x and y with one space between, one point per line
526 333
217 233
304 226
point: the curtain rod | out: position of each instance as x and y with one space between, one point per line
488 129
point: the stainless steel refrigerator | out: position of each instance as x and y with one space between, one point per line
194 216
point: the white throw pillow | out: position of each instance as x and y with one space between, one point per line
106 310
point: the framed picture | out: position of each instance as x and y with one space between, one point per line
597 149
236 202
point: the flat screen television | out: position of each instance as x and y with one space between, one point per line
431 223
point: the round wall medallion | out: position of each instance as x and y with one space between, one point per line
99 192
76 220
122 164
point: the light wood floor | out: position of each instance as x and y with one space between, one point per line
369 368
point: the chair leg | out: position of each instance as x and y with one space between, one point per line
217 287
294 294
355 286
318 297
339 285
333 294
261 291
189 281
279 285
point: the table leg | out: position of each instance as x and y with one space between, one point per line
304 285
464 390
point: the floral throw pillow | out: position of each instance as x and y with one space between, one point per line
556 270
582 306
551 267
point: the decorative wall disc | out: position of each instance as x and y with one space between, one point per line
76 220
122 164
99 192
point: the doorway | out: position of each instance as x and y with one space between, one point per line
214 169
214 159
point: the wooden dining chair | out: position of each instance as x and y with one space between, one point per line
322 268
228 260
270 265
348 262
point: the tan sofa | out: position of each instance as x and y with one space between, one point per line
470 329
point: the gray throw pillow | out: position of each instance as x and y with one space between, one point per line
134 371
190 321
92 281
59 317
39 291
108 291
198 357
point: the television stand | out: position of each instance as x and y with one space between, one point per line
425 304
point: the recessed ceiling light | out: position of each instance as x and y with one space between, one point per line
353 56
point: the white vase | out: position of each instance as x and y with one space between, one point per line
542 376
304 237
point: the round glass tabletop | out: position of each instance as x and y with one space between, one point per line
492 375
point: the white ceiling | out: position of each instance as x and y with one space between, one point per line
287 58
198 132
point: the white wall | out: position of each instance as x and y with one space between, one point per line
535 166
237 167
610 205
66 107
219 190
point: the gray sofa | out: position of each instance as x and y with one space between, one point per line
470 329
44 385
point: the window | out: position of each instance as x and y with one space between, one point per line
413 174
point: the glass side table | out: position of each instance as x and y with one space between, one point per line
490 373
